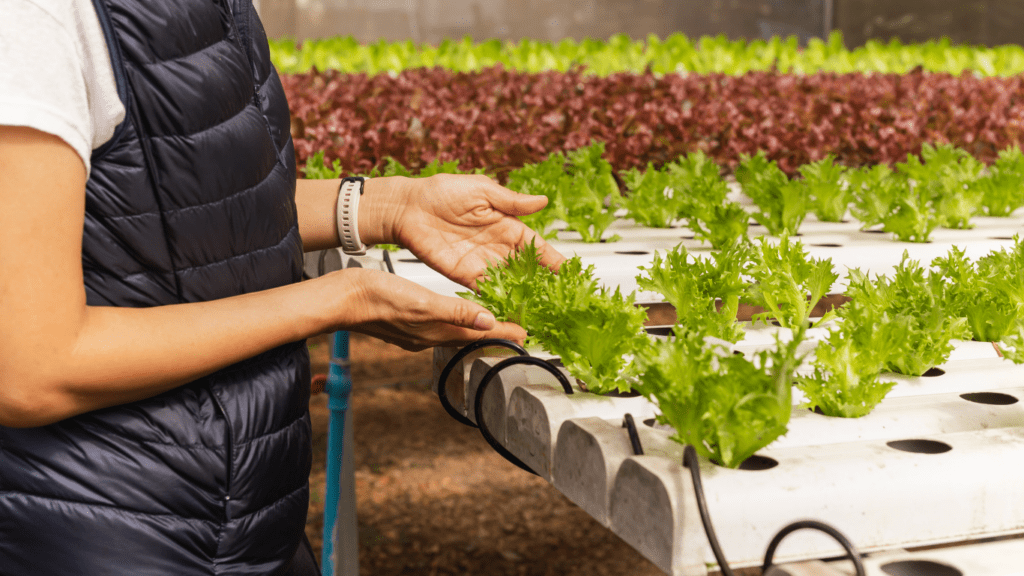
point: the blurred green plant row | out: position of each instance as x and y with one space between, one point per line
943 187
674 54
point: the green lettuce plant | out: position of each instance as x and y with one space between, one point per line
786 283
704 291
1002 191
913 305
826 187
782 204
726 406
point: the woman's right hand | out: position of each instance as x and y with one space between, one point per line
406 314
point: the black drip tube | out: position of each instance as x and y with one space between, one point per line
851 551
442 382
690 461
479 401
634 437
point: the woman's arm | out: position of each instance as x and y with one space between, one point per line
60 357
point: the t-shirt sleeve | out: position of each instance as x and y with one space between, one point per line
43 81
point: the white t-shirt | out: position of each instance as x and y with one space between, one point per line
55 72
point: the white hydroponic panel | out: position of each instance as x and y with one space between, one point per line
840 471
617 263
843 472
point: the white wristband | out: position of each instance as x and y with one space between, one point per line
348 215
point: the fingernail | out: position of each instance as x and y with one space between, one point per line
484 321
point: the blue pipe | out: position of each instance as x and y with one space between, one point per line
338 388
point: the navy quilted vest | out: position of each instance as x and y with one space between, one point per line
192 200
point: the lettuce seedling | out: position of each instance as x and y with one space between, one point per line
699 183
318 169
723 225
679 190
1002 191
1012 345
593 330
582 204
393 167
826 188
693 285
511 289
912 304
913 215
726 406
546 178
651 201
782 204
847 365
874 192
786 283
982 294
945 175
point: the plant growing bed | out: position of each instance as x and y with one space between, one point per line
578 444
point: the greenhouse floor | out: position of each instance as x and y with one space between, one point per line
434 498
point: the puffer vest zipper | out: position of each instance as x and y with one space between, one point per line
192 200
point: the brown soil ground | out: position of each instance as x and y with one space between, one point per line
433 498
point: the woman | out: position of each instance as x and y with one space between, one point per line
153 376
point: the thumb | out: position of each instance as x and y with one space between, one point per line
514 203
463 313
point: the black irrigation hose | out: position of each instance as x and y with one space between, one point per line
690 461
851 551
478 401
442 382
387 262
634 436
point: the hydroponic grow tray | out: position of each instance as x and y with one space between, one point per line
939 461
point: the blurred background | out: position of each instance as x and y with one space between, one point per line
986 22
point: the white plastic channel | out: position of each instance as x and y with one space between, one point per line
839 471
617 263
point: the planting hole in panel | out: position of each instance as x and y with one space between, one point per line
410 260
660 330
875 231
631 393
933 372
919 568
649 422
756 463
689 237
828 245
1001 238
993 398
919 446
633 252
810 324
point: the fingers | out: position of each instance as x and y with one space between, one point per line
465 314
514 203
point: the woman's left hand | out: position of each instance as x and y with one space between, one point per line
456 224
